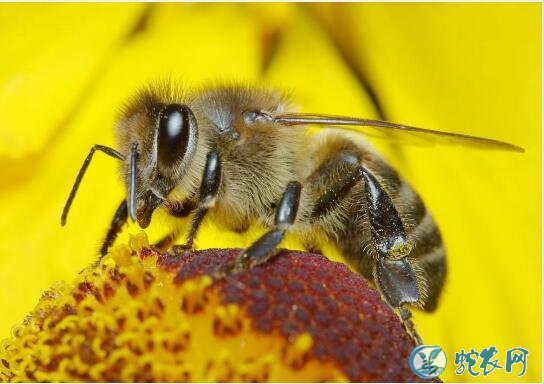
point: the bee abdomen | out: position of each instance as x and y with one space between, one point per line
429 256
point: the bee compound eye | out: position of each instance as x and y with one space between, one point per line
174 132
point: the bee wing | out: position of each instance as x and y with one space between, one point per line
395 131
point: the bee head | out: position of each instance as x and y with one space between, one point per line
159 140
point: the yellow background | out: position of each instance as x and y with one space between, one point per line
470 68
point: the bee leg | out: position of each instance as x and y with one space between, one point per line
396 280
209 188
265 247
180 208
119 219
330 199
177 209
388 231
198 216
394 274
165 243
406 318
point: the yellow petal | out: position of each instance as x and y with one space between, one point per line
50 56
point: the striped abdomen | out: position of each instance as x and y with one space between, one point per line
350 222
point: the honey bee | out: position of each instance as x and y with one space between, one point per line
238 153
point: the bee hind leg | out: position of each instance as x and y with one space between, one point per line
265 247
394 274
408 324
397 282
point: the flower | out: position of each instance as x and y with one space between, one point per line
472 68
143 316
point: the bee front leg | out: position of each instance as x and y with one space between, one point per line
119 219
265 247
209 188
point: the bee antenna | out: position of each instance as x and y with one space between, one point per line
132 183
108 151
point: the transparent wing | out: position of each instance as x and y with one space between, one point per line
377 128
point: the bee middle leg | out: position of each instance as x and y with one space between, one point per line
178 209
265 247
